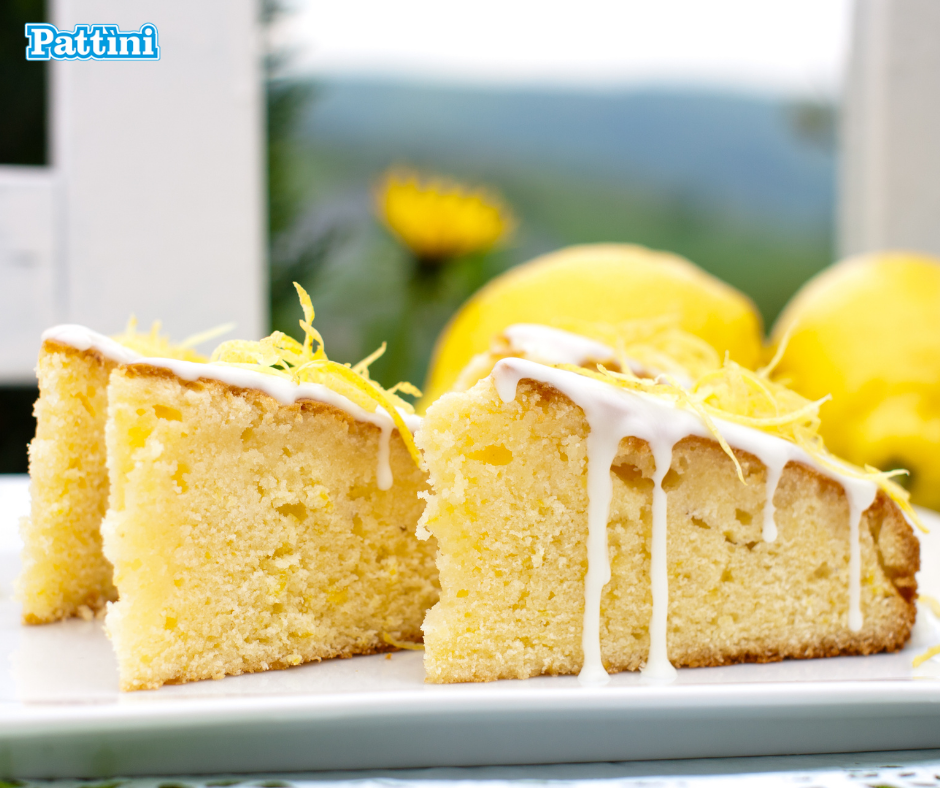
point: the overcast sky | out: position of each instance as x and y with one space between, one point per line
790 46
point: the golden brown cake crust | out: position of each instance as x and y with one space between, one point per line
723 607
53 346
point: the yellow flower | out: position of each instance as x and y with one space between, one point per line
439 219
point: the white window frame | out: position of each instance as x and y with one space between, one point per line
153 200
890 168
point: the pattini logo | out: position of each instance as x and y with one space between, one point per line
91 42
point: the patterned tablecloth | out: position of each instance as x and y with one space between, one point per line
858 770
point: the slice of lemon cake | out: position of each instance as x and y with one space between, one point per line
595 521
263 513
64 572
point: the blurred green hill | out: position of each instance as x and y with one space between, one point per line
739 184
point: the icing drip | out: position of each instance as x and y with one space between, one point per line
601 448
859 501
555 346
614 413
612 417
284 391
383 473
658 666
774 461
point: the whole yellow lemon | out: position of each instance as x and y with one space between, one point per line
867 331
603 283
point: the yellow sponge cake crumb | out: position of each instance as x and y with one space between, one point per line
247 534
64 572
592 523
263 512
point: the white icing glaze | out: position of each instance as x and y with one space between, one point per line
284 391
613 413
82 338
287 393
859 501
383 471
658 667
555 346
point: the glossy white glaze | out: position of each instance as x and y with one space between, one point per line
82 338
859 501
555 346
284 391
613 413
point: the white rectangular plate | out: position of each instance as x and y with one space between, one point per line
61 713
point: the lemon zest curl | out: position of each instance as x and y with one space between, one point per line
156 345
932 604
657 343
285 357
920 659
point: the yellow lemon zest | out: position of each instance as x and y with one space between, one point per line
439 219
363 366
156 345
931 603
283 356
920 659
734 393
768 369
204 336
402 643
407 388
658 343
662 386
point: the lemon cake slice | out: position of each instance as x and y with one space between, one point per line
63 570
590 522
263 514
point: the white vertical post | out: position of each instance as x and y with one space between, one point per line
890 169
27 267
154 201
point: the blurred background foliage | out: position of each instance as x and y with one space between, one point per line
741 184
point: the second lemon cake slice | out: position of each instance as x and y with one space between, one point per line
262 514
593 522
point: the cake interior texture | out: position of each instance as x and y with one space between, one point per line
248 535
508 508
64 571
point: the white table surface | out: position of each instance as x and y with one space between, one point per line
899 769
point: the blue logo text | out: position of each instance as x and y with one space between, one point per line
91 42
